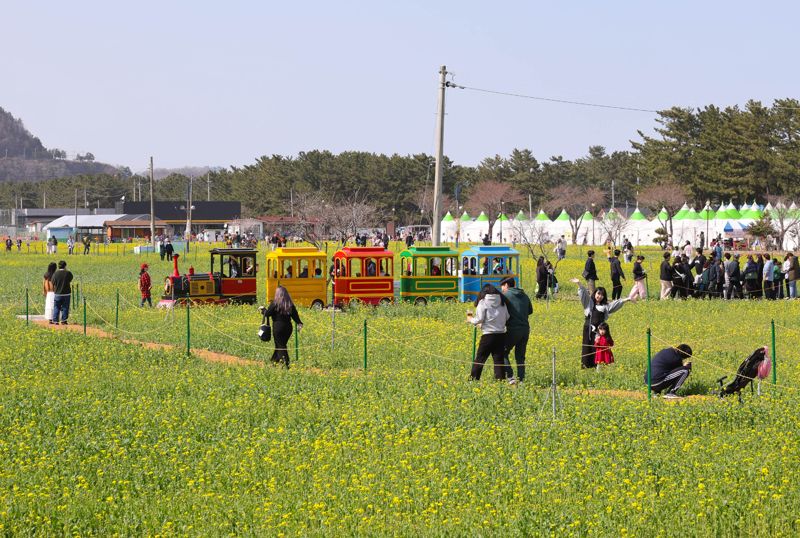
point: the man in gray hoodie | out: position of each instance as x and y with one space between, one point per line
518 329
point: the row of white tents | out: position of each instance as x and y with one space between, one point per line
687 225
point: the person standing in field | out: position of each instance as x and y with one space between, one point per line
603 344
617 275
62 282
518 329
145 285
491 314
49 291
596 310
542 275
590 271
638 291
282 312
665 275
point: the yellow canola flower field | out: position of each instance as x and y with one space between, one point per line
103 437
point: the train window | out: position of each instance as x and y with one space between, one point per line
234 267
248 267
270 268
449 266
302 264
407 267
319 268
499 265
385 267
355 267
286 269
370 267
436 267
420 267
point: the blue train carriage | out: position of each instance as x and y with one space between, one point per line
428 274
485 265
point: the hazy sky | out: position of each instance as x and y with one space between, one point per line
222 83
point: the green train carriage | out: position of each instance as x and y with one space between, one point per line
428 274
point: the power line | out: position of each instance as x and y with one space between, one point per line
551 99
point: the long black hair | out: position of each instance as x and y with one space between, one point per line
605 326
602 290
489 289
51 268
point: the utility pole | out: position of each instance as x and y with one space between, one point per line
85 201
208 186
613 198
134 188
437 178
291 201
152 208
44 199
189 215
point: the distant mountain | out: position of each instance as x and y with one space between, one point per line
23 157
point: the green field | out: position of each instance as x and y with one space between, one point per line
102 437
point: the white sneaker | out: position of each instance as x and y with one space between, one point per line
512 381
672 396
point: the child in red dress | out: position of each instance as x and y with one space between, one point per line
603 344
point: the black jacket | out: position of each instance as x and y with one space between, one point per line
590 270
62 280
699 264
616 268
663 363
638 271
666 271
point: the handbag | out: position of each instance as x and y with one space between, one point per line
265 331
585 274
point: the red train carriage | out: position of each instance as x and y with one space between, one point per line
363 274
232 279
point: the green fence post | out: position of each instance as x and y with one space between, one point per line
365 345
116 313
296 343
774 358
27 314
188 329
649 365
84 316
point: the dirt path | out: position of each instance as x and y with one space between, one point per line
210 356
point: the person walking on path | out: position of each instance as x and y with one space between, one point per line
87 244
665 275
617 275
62 282
590 271
668 371
282 312
491 314
518 329
145 285
638 291
596 310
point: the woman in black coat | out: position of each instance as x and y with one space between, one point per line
281 311
542 276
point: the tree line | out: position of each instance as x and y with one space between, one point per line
696 155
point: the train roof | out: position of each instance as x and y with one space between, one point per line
233 251
490 251
428 251
362 252
293 252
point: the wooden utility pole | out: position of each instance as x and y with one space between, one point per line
76 214
152 208
437 179
208 186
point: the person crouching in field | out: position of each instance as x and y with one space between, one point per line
491 314
668 372
596 310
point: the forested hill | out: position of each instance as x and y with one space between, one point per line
23 157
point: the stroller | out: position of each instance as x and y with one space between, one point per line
756 366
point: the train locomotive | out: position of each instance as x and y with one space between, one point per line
231 279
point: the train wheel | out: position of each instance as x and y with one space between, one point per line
316 304
385 301
449 299
420 301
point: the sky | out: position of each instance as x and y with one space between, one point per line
223 83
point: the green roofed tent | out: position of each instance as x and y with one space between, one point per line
465 217
448 217
562 216
521 216
542 216
732 212
692 214
502 216
681 214
637 215
588 216
663 215
482 217
707 213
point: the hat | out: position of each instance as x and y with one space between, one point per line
145 266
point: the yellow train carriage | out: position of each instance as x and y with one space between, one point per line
302 271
